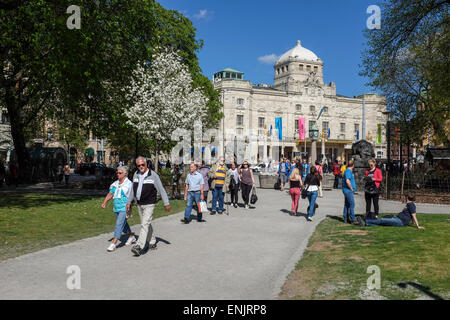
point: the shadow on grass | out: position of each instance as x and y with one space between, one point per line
30 200
419 287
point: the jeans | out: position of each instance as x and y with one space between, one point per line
191 197
217 194
295 196
393 222
312 196
369 198
121 224
349 206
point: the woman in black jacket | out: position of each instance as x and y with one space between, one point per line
312 183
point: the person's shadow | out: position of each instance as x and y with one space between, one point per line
124 238
299 214
424 289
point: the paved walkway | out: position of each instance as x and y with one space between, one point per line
243 255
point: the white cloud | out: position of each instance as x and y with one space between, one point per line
268 59
203 14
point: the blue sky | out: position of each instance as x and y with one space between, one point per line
242 34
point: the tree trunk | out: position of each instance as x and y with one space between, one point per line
157 158
22 155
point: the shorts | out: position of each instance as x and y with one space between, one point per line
283 177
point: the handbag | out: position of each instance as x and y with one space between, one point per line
254 197
305 192
202 207
130 212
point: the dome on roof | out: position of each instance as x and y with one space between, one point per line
298 52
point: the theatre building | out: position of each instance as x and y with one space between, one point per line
299 92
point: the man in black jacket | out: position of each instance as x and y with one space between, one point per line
146 186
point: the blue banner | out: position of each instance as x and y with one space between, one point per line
329 132
279 127
357 135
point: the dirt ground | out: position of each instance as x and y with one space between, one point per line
423 197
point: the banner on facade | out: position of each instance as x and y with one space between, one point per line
379 133
301 128
279 127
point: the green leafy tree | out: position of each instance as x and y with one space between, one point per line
407 59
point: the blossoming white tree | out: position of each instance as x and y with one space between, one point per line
163 99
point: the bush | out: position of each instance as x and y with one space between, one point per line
165 176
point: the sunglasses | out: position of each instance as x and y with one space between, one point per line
141 165
119 172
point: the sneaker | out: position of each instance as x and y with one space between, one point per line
361 221
235 205
246 206
111 248
185 221
136 250
310 218
152 246
201 220
219 212
212 212
130 240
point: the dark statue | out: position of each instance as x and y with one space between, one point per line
362 152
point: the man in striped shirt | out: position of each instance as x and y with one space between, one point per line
221 177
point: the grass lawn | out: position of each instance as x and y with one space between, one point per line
31 222
413 263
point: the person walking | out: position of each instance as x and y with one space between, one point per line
305 170
283 171
320 171
193 192
221 177
312 183
348 188
337 174
204 171
146 186
373 180
247 182
295 185
67 173
120 191
234 185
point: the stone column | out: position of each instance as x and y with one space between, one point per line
313 152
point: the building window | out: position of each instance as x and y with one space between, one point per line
282 69
227 75
278 71
325 126
260 122
239 131
298 107
316 69
308 68
287 68
312 109
300 66
240 101
311 123
239 76
342 127
239 120
296 127
233 75
356 127
325 110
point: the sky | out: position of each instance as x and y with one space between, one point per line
248 35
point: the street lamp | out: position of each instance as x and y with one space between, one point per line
313 135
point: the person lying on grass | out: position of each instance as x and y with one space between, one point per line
401 220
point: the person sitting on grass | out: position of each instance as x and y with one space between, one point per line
401 220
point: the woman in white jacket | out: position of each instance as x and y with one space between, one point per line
120 191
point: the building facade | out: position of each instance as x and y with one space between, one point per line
298 91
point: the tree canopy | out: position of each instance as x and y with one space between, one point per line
407 59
